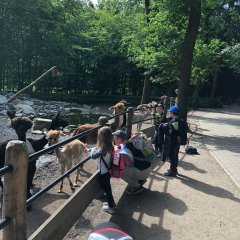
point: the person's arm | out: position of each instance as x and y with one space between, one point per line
97 153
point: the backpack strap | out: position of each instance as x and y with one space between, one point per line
102 159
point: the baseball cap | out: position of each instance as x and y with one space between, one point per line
174 109
108 231
160 106
120 133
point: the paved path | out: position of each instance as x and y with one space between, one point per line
221 129
201 203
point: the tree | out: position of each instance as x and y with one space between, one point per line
194 7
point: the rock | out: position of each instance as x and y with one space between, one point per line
86 106
75 110
3 99
25 109
40 124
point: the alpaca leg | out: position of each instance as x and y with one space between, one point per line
71 184
69 165
61 187
77 179
31 172
62 172
138 127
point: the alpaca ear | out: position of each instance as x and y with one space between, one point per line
45 131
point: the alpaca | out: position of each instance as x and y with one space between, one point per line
70 154
91 137
118 108
140 115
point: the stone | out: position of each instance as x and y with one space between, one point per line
40 124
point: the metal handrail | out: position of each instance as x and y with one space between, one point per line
6 169
5 222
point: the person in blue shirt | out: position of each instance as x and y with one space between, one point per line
172 140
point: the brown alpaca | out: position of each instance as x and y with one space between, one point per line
118 108
91 137
70 154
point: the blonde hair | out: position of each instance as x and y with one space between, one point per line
105 139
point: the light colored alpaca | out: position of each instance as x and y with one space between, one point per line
140 115
70 154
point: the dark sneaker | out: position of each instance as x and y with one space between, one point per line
133 191
108 209
141 182
170 174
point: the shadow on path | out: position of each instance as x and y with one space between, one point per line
150 203
207 188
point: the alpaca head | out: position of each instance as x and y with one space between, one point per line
53 136
21 125
118 108
58 121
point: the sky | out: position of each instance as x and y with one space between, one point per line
94 1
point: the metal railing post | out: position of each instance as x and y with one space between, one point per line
14 197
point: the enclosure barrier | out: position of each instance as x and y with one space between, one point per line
14 209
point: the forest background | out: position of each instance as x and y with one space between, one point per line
136 49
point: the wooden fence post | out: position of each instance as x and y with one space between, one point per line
129 122
14 197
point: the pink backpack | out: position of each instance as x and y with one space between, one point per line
117 165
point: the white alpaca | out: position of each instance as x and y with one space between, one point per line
70 154
141 115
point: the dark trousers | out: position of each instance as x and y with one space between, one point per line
106 186
173 156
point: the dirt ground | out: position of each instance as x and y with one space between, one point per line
201 203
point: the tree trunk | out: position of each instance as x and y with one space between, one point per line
196 95
214 84
147 83
187 55
146 90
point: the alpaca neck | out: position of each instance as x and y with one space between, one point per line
38 144
58 152
22 138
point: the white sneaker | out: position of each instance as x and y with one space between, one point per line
108 209
105 203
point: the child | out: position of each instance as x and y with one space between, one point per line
159 118
103 154
172 140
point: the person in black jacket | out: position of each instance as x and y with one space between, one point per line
135 171
172 140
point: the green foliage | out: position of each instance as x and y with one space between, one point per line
207 59
210 103
108 49
231 56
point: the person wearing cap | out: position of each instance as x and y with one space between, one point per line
172 140
108 231
135 171
159 117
